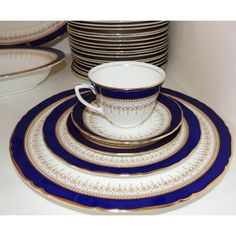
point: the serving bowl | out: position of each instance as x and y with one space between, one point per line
22 68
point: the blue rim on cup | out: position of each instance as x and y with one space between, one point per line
126 91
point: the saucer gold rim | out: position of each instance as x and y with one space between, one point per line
114 143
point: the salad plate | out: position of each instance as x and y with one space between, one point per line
44 171
32 33
165 120
62 138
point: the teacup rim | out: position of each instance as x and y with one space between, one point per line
108 64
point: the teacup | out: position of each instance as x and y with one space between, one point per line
126 91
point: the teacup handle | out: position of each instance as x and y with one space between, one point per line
87 86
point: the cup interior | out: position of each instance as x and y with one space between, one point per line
127 75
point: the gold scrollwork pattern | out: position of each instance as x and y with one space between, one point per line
134 187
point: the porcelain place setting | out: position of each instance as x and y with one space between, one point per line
121 142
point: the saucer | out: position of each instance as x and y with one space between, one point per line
165 120
41 169
66 142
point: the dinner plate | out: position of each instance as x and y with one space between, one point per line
119 47
121 52
113 57
87 65
119 43
165 119
41 169
94 43
118 24
118 39
116 30
30 32
121 32
100 60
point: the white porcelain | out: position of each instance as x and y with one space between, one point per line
128 159
19 32
22 69
126 92
155 125
197 163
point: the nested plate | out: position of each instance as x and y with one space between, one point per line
113 31
165 120
117 48
63 139
123 35
30 32
41 169
101 60
150 50
116 24
114 40
116 31
87 65
118 43
111 57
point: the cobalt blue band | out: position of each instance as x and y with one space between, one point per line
36 179
52 142
173 107
124 94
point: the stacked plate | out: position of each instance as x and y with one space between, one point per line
187 153
94 43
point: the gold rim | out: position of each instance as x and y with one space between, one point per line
124 55
99 209
120 26
146 60
126 155
126 143
122 52
216 151
117 210
115 48
121 39
120 44
157 69
78 32
54 62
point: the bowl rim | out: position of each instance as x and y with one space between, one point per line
60 56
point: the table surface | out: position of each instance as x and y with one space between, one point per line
18 198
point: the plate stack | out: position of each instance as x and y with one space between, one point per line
94 43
